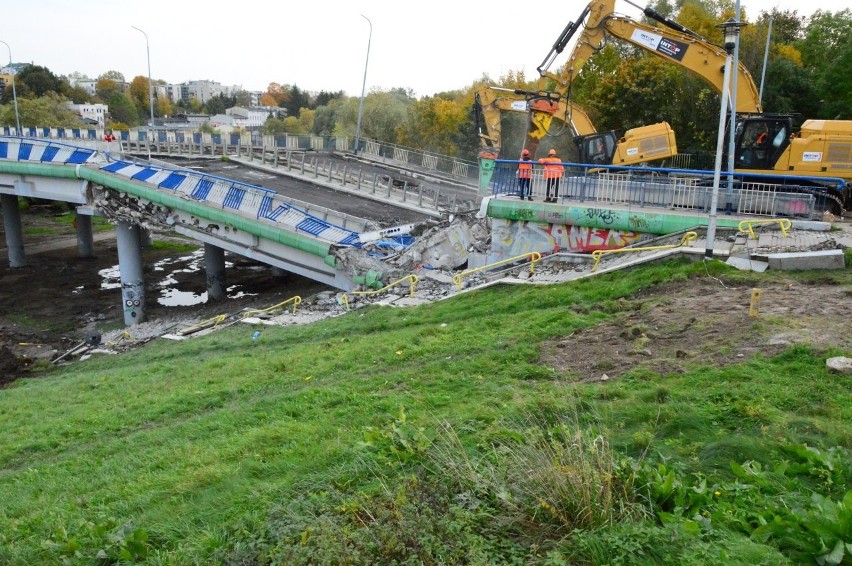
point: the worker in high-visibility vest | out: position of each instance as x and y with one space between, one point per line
553 170
525 174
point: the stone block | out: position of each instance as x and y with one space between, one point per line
747 264
793 261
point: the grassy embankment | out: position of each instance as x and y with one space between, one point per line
428 435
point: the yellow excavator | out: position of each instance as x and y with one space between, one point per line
764 143
639 145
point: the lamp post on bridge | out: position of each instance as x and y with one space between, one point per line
150 90
732 32
18 131
363 85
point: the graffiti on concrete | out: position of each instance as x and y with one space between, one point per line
133 297
511 239
639 222
602 215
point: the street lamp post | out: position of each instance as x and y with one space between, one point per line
765 59
14 94
732 31
732 122
363 85
150 90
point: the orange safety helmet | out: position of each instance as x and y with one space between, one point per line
551 152
525 152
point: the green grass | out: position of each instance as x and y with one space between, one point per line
63 224
43 230
163 245
99 223
329 443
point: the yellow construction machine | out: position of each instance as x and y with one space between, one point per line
639 145
765 143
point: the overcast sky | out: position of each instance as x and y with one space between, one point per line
428 46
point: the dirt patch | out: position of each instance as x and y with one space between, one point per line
672 327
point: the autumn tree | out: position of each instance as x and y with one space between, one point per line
164 106
139 91
195 106
268 100
435 124
105 89
278 93
306 120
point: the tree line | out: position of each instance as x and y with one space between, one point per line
809 72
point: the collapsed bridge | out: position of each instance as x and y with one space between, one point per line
223 214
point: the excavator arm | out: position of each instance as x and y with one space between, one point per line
646 143
544 108
672 42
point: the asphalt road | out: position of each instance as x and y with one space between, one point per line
383 213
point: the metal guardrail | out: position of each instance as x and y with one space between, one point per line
428 161
533 257
687 238
412 279
747 226
766 195
190 138
219 319
209 323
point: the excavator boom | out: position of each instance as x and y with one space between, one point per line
674 43
765 143
646 143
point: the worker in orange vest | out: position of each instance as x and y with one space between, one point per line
553 170
525 174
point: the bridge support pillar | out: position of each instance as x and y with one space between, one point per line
129 238
85 239
145 238
14 234
214 265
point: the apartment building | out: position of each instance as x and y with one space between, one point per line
93 113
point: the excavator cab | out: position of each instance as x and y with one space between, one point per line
597 148
760 141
